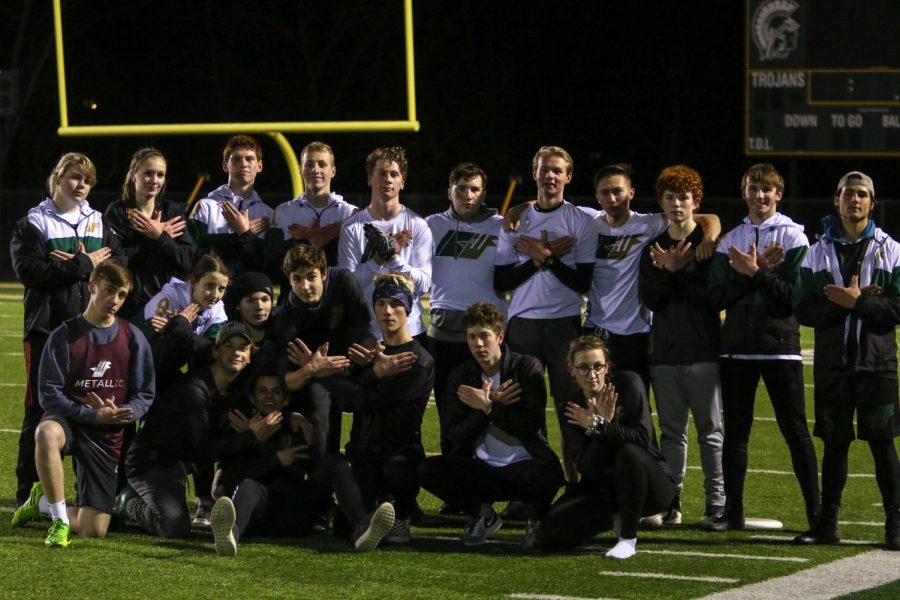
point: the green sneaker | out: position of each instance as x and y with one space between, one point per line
59 534
29 509
120 512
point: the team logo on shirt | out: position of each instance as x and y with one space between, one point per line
96 380
465 244
617 247
101 368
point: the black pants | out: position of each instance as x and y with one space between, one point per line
26 472
639 487
627 352
289 509
887 471
315 403
161 508
447 355
784 382
468 482
392 477
548 340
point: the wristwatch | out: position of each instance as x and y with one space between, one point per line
596 423
549 261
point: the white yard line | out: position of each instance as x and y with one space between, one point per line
12 385
737 556
791 473
789 538
838 578
10 431
553 597
668 576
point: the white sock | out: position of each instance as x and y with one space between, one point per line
44 505
58 511
617 523
624 549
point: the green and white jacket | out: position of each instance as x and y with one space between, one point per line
876 315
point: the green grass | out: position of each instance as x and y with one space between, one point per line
131 564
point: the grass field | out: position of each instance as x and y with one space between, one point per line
681 562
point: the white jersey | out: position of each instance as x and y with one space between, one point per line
176 295
543 296
300 211
613 301
414 261
209 209
462 266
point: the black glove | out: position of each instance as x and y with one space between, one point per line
382 243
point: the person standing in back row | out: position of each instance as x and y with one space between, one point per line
849 292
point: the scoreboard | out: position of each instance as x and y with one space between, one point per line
822 78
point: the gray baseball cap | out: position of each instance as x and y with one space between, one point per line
857 178
231 329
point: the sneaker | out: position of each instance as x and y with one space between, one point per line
201 518
892 529
375 528
222 518
531 530
399 532
652 522
481 528
671 517
731 519
714 515
120 512
29 510
58 536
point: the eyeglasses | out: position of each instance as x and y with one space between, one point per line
588 369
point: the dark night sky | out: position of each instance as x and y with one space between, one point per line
653 83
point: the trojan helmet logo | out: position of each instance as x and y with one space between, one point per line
774 30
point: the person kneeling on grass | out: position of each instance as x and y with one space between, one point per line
96 377
495 430
623 475
387 397
187 426
274 489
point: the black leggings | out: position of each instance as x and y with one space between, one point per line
392 477
468 482
290 510
639 487
887 472
784 382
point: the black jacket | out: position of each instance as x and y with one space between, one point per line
525 419
260 462
188 422
387 412
595 455
152 262
685 327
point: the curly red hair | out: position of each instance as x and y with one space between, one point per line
679 179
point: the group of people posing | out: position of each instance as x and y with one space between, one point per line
167 317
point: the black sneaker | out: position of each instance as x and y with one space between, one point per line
727 520
892 529
714 514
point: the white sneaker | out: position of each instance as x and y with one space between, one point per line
222 519
380 523
652 522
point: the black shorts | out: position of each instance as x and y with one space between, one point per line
95 471
872 396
